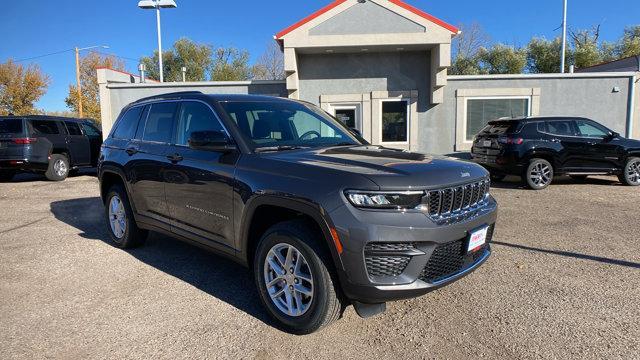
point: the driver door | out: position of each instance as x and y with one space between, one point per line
599 150
199 183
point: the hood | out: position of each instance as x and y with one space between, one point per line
389 168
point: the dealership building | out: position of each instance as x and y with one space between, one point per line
381 67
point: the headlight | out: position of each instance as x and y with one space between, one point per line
384 200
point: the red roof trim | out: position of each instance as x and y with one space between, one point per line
423 14
309 18
336 3
123 72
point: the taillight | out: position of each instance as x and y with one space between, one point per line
510 140
24 141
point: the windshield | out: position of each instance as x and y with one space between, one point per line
286 124
11 126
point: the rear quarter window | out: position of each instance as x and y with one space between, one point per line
126 127
73 128
44 127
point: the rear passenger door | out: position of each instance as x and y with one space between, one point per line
564 134
78 144
147 160
95 141
199 183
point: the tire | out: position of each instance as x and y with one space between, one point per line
7 175
324 305
631 174
497 177
579 177
539 174
119 215
58 169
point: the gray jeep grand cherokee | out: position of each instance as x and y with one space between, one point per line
322 218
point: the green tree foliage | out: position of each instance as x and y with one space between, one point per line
629 45
502 59
230 64
195 57
543 56
466 47
89 84
20 87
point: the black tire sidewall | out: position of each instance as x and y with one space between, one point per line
126 239
527 178
313 318
50 173
624 177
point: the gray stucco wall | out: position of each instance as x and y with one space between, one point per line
572 95
123 94
366 18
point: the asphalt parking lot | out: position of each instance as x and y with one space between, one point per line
563 282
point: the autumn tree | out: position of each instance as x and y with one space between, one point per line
196 58
89 83
629 44
230 64
270 65
466 47
20 87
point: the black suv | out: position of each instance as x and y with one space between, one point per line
322 218
537 148
45 144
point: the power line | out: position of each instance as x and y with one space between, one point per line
44 55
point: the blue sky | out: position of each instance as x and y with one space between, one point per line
36 27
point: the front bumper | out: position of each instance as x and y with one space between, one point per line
397 255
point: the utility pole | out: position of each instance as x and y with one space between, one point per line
78 82
157 4
564 36
159 43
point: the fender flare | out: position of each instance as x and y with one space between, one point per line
116 170
303 206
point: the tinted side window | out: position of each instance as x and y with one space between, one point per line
43 127
561 127
90 130
195 116
126 127
159 124
73 128
589 129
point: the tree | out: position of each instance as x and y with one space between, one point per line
270 65
543 56
230 64
466 47
89 84
195 57
585 47
20 87
629 45
502 59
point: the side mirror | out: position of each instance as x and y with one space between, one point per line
612 135
210 140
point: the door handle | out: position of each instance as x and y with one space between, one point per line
556 140
132 150
175 158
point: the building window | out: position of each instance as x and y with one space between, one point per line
395 121
482 110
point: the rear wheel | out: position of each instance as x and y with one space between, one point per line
631 174
538 174
58 169
7 175
294 278
122 226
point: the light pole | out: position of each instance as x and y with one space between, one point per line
157 4
564 36
79 89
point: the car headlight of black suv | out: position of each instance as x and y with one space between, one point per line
384 199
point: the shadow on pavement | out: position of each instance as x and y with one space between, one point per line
212 274
573 255
31 177
514 182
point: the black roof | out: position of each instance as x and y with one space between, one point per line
537 118
214 97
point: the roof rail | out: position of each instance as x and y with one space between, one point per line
172 95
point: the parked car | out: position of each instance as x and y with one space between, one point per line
322 218
50 145
537 148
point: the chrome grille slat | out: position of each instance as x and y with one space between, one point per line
456 202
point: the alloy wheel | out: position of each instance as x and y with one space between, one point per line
60 167
540 175
117 217
288 279
633 172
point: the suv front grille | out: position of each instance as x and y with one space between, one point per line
456 202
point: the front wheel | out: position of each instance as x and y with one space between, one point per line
538 174
292 272
631 174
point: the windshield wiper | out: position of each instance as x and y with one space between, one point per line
279 148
